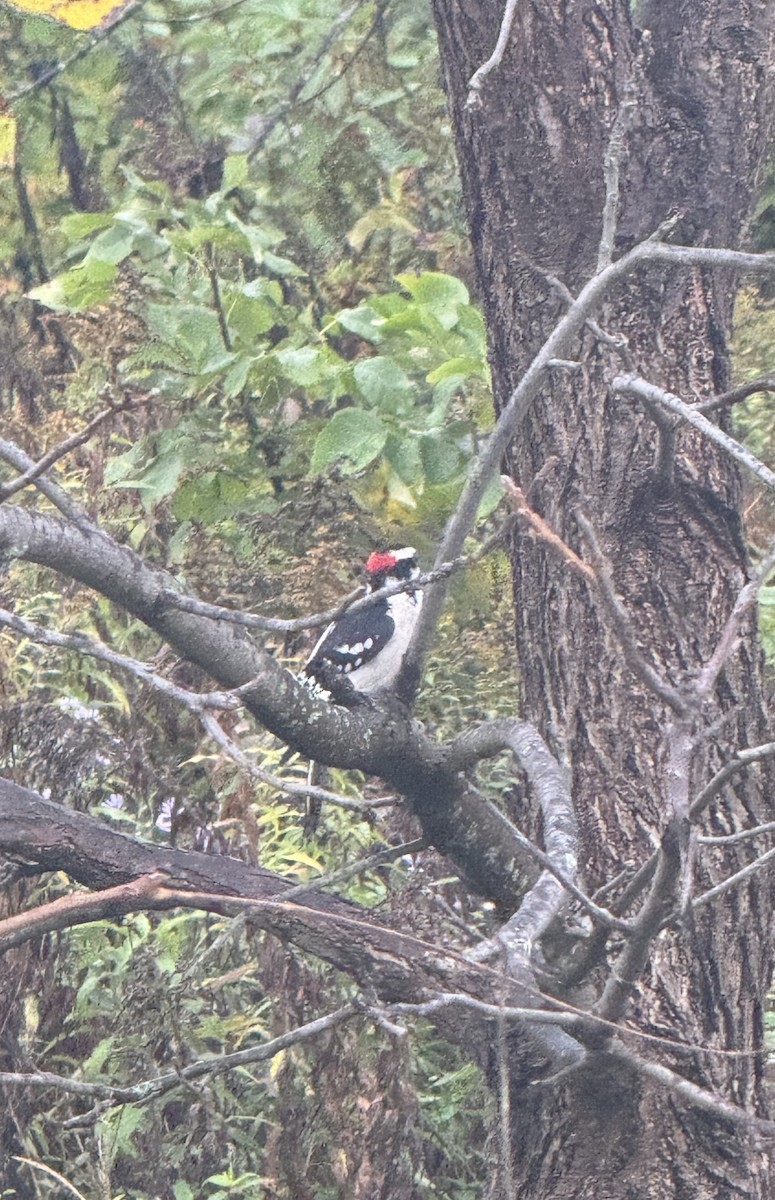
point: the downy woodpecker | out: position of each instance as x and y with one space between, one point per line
367 647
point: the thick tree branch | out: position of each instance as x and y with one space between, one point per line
378 739
395 966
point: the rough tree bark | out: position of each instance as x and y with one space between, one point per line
682 89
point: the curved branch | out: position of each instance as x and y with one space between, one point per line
398 967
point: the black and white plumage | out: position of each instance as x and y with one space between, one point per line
367 647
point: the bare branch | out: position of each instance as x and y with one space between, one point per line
557 345
11 453
496 58
354 602
279 782
743 758
737 395
79 908
541 529
493 737
694 1095
728 640
259 128
634 385
380 858
46 77
197 702
658 905
611 165
743 835
35 470
654 250
738 877
150 1089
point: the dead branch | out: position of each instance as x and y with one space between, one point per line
537 524
496 58
20 461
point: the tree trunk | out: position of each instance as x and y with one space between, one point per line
686 88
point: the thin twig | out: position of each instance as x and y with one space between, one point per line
738 877
379 12
496 58
746 599
743 758
736 395
354 602
632 960
634 385
743 835
51 73
215 292
39 1166
150 1089
379 859
504 1110
197 702
518 502
279 782
560 1012
260 128
36 469
57 495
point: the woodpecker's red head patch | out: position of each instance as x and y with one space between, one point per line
376 562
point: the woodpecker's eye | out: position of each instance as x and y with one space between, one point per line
404 567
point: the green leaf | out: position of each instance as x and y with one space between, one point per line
491 499
303 366
114 245
442 294
77 226
440 459
353 438
181 1190
455 368
85 286
235 173
364 320
281 266
92 1065
382 383
403 454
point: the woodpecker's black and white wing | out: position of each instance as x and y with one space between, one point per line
352 642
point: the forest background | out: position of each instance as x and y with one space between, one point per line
237 274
